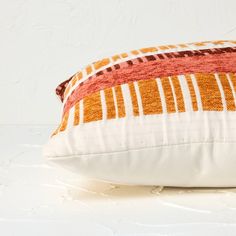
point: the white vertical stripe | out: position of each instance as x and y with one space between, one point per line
162 96
232 88
81 111
224 122
173 92
70 122
104 105
115 101
127 100
186 93
84 77
197 92
139 99
164 110
59 126
93 70
221 91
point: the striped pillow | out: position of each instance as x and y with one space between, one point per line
162 115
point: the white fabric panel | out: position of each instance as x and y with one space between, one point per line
199 145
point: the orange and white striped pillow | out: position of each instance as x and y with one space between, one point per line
162 115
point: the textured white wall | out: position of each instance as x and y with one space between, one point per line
43 42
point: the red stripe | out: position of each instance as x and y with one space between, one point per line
224 62
188 53
60 89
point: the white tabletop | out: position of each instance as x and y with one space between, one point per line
39 199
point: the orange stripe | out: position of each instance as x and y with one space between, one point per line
111 111
233 80
172 46
67 90
178 94
151 99
134 99
182 45
135 52
209 91
77 77
120 101
169 98
192 92
199 44
101 63
89 70
115 57
64 122
227 92
151 49
218 42
56 131
92 107
163 47
124 55
76 114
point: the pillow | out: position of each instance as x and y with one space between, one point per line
163 115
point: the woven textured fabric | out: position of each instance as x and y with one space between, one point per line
148 94
152 80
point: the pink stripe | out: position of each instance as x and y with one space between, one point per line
152 69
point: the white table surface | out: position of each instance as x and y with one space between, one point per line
39 199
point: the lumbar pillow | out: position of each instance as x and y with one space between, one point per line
163 115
